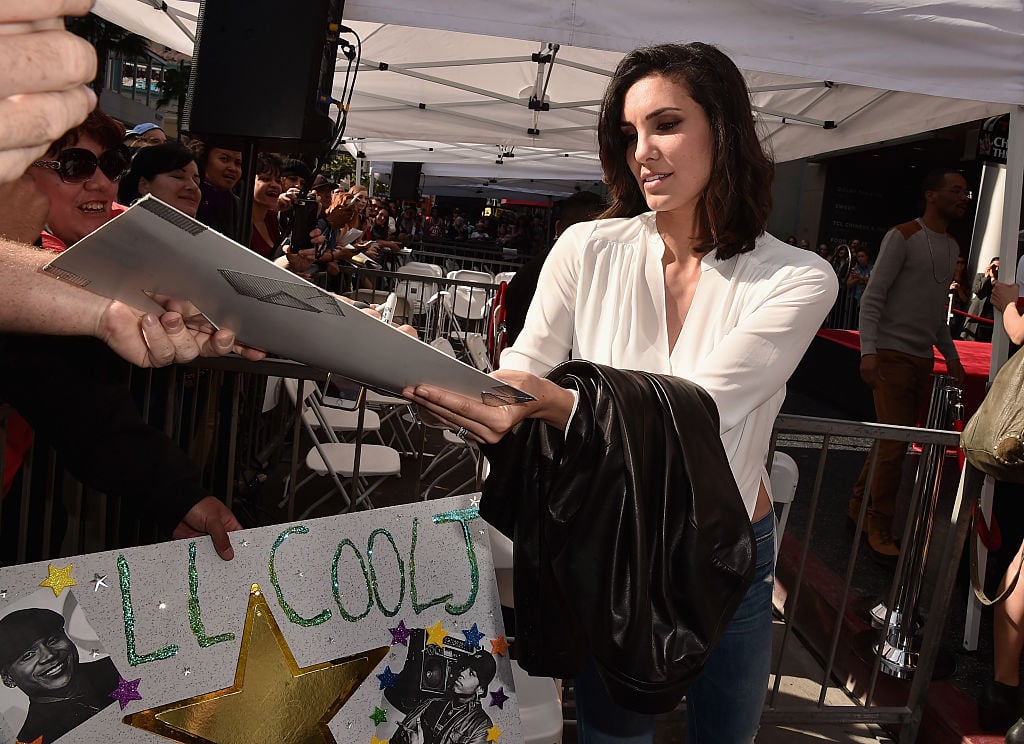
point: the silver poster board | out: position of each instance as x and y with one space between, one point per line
154 248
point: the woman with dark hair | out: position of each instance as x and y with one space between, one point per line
79 175
221 170
170 172
678 279
266 230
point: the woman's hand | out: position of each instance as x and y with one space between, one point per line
486 423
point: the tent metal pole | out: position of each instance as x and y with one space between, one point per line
1012 199
1013 195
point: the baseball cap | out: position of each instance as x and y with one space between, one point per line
140 129
22 628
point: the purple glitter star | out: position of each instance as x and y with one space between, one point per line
387 678
126 691
498 698
473 636
400 634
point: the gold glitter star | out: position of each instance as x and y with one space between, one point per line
58 579
436 634
272 699
493 733
375 740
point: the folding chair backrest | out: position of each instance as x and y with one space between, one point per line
469 303
416 292
504 276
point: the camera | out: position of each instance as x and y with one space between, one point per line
303 223
440 665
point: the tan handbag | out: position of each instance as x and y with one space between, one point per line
993 440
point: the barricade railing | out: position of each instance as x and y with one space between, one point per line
211 409
844 657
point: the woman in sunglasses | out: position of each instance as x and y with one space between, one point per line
79 175
169 172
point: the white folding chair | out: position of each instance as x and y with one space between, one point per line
337 460
416 292
337 419
468 303
504 276
785 476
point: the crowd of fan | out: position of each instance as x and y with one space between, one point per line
202 178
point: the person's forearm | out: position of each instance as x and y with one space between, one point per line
1013 323
37 303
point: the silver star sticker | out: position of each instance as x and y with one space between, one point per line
474 500
98 581
186 671
331 639
3 594
162 605
245 543
300 574
94 653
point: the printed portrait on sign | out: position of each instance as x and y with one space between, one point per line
55 674
440 690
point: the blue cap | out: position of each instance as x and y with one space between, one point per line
141 129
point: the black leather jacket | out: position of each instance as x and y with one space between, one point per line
631 541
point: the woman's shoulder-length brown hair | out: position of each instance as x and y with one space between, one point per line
733 210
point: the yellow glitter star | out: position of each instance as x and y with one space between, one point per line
59 579
436 634
493 733
272 699
375 740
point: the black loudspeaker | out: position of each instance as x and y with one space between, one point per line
405 181
258 69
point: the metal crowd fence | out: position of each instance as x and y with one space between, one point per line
877 660
212 410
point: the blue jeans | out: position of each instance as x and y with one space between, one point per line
723 705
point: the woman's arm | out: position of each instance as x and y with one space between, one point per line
546 341
489 424
1004 300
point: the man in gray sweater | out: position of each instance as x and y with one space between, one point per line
902 315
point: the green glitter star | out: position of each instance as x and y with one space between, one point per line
379 716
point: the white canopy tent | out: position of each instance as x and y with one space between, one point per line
827 75
468 74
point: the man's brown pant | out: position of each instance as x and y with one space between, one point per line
905 386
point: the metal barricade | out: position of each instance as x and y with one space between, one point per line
903 650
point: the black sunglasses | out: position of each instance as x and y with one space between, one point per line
78 165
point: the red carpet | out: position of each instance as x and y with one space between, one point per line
974 356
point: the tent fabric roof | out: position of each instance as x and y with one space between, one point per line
879 72
970 49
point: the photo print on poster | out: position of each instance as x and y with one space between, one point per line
56 674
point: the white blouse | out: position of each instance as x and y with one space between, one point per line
601 297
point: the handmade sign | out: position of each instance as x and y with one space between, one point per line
380 626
